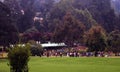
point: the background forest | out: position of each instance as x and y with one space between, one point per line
68 21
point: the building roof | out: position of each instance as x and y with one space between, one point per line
49 44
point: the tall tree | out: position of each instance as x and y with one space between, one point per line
95 39
70 31
103 13
86 17
26 19
8 32
114 41
42 9
22 12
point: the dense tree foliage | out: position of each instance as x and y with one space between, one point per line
95 39
22 12
70 31
40 20
101 11
36 48
52 10
114 41
8 32
18 58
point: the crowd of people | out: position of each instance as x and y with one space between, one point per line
74 53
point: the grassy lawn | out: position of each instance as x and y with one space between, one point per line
38 64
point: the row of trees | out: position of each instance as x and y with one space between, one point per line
71 31
69 25
100 10
23 12
96 38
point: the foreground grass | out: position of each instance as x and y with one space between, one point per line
37 64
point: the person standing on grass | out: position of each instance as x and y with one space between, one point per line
48 54
60 54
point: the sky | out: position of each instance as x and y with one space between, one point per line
1 0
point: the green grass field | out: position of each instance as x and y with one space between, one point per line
38 64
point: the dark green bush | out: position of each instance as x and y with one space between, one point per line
36 50
18 57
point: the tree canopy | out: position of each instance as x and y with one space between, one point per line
114 41
96 39
70 31
8 31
